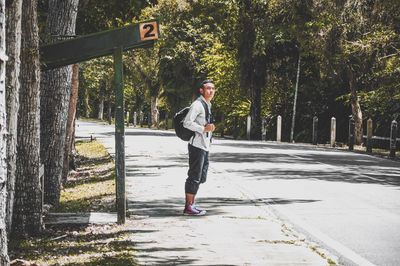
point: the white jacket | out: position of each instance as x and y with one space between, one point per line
195 120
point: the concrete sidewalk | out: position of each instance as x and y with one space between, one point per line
237 230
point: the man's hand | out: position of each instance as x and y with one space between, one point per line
209 128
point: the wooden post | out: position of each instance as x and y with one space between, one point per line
369 135
315 131
333 132
393 135
279 128
351 133
248 127
119 136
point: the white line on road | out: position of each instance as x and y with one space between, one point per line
342 250
285 214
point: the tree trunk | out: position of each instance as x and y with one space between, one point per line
13 33
109 111
3 139
55 95
257 84
68 156
154 110
252 66
356 109
86 107
27 217
102 90
101 109
295 100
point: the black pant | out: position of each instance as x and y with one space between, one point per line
198 167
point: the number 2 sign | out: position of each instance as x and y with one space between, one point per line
148 30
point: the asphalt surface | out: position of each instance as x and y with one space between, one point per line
268 203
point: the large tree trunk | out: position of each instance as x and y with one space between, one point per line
257 84
252 66
13 33
55 95
69 142
154 110
355 107
27 217
3 139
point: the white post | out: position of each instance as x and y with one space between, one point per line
333 131
279 129
127 119
134 119
248 127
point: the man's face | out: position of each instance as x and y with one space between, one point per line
208 91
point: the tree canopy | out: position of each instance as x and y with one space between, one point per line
251 48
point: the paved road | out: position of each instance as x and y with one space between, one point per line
347 202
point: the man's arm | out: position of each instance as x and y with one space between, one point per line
189 122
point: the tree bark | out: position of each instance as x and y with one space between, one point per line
69 141
102 90
154 110
55 95
27 217
13 35
86 107
257 84
4 260
109 111
356 108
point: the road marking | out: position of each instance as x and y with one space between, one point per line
342 250
282 213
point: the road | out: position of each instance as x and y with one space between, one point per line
347 202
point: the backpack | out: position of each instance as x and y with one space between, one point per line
182 132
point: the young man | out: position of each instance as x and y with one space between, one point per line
197 121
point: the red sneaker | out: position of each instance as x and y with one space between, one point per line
192 211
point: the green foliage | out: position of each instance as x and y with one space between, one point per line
205 39
222 67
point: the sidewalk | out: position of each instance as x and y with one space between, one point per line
237 230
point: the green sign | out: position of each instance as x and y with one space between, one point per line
141 35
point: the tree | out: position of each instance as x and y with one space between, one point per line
148 71
27 217
70 134
54 100
13 33
370 45
253 63
3 139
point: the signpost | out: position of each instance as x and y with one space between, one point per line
111 42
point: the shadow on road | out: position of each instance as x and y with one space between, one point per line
173 207
324 165
143 132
